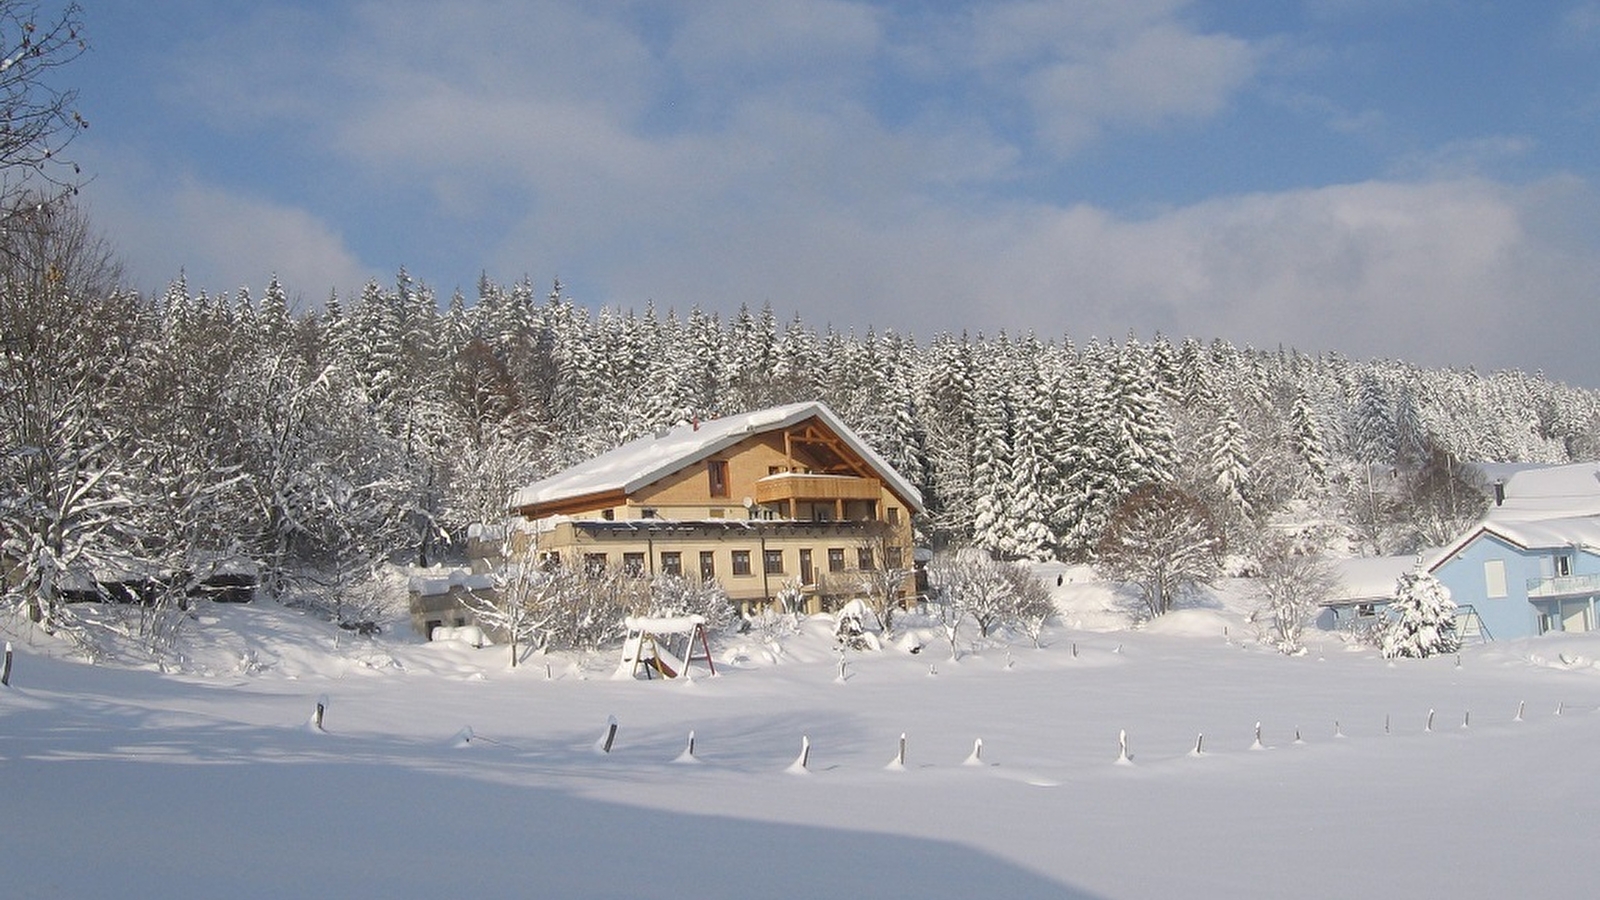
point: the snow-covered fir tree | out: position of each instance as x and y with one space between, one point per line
1421 619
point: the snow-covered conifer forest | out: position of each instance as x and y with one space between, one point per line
320 439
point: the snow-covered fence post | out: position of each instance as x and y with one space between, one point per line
687 756
606 740
1521 705
1429 726
804 759
1123 757
976 757
1258 745
316 716
5 670
1466 719
900 757
1199 743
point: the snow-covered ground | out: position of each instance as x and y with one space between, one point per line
441 772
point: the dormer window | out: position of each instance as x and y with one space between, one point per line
717 475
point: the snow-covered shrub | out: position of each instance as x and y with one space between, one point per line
1422 619
850 631
1029 605
682 595
791 598
769 626
1292 582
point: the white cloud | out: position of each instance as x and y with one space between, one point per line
220 240
794 178
1462 272
741 39
1086 65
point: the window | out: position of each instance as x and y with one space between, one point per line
609 515
708 565
835 559
633 563
741 562
1494 578
808 575
864 559
894 557
717 474
772 562
594 564
894 515
671 562
1562 566
647 513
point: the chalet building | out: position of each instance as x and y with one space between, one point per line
758 501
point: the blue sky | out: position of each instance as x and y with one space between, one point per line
1381 178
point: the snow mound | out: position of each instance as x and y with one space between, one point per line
1196 623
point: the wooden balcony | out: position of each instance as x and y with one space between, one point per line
794 486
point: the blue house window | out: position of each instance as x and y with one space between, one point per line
1494 578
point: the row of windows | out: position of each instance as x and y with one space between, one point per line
772 562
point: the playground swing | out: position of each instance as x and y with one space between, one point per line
664 646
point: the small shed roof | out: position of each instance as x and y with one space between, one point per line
1368 578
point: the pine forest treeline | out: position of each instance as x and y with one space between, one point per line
187 426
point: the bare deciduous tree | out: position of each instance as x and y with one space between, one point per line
881 582
65 341
1029 604
37 119
1163 541
1292 582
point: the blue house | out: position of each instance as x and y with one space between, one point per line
1532 564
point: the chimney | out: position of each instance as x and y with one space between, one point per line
1499 491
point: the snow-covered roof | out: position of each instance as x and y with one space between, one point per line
437 581
1539 534
1546 492
1544 508
644 461
1368 577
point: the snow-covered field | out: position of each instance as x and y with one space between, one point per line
440 772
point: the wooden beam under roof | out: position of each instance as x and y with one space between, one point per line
811 432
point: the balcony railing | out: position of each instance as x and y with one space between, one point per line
1563 585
